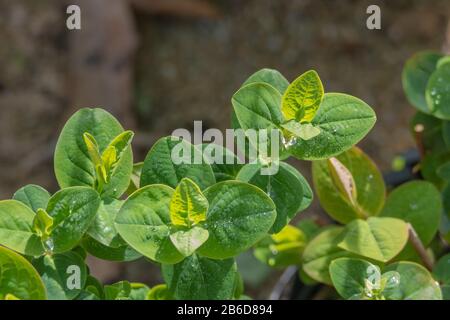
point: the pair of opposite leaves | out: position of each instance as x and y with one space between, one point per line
315 125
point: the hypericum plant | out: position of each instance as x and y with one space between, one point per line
426 82
377 251
194 218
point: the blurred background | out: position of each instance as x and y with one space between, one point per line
158 65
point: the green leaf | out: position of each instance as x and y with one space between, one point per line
441 272
159 292
224 162
271 77
19 278
42 224
73 164
120 253
430 164
343 121
64 275
87 295
438 92
188 205
16 228
416 73
95 286
33 196
187 241
305 131
419 203
92 149
159 165
442 61
199 278
144 223
118 291
320 251
239 215
380 239
369 183
102 228
285 188
350 276
303 97
416 283
282 249
257 106
120 145
139 291
73 210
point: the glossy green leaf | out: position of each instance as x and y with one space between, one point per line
257 106
16 228
42 224
115 150
73 164
380 239
438 92
120 253
419 203
33 196
73 210
92 148
188 205
343 121
350 277
159 165
239 215
303 97
415 76
369 183
200 278
271 77
64 275
320 251
285 188
144 223
416 283
18 277
102 227
187 241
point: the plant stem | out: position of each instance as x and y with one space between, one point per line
418 136
419 247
